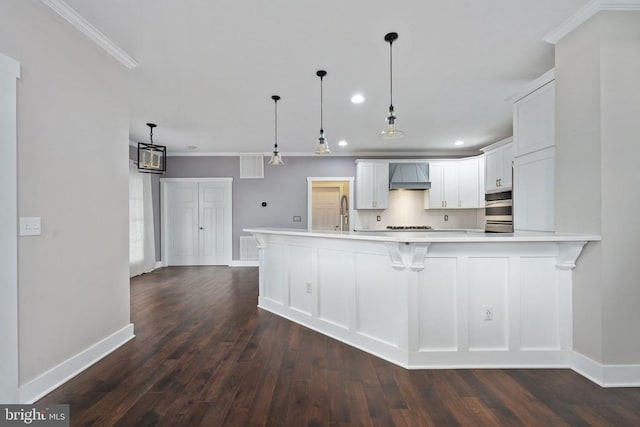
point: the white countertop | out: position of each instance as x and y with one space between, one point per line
433 236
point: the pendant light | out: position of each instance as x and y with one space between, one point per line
276 158
390 131
323 147
152 158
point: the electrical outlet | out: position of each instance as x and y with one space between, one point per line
488 312
378 218
446 217
309 289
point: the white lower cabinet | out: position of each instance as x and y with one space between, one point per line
534 191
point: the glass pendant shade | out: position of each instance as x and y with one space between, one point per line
276 157
390 130
152 158
322 147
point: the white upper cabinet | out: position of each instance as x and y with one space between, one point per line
455 184
498 162
534 120
436 195
469 185
372 184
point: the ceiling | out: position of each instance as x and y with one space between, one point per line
207 70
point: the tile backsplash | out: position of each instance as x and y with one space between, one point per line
406 207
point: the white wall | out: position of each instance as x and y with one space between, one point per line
578 173
72 172
620 68
597 151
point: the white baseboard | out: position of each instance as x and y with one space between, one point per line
243 263
158 264
58 375
606 375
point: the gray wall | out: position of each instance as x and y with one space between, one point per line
284 188
597 128
73 123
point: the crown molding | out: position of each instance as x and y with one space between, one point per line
497 144
534 85
75 19
590 9
383 154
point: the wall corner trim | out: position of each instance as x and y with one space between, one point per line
590 9
58 375
9 66
85 27
605 375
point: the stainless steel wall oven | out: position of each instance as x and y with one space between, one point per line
499 212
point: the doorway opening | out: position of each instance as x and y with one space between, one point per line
329 203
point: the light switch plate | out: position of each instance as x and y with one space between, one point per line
30 226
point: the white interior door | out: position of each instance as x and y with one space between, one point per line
183 248
213 242
326 208
197 221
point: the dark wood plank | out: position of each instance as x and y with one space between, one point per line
205 355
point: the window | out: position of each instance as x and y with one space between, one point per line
141 239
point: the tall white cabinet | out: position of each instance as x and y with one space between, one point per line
534 161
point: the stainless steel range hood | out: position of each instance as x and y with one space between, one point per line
409 176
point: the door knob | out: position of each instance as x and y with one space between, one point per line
201 228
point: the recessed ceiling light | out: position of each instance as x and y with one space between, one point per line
342 143
458 142
357 98
191 147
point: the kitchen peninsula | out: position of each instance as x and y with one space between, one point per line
427 299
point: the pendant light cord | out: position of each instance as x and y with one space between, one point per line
276 126
151 134
391 76
321 109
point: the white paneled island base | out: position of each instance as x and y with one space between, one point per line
427 300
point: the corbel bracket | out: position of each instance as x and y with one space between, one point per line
568 253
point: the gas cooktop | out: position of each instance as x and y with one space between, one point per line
408 227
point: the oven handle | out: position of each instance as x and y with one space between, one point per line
498 203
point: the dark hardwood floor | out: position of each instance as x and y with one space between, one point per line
205 355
